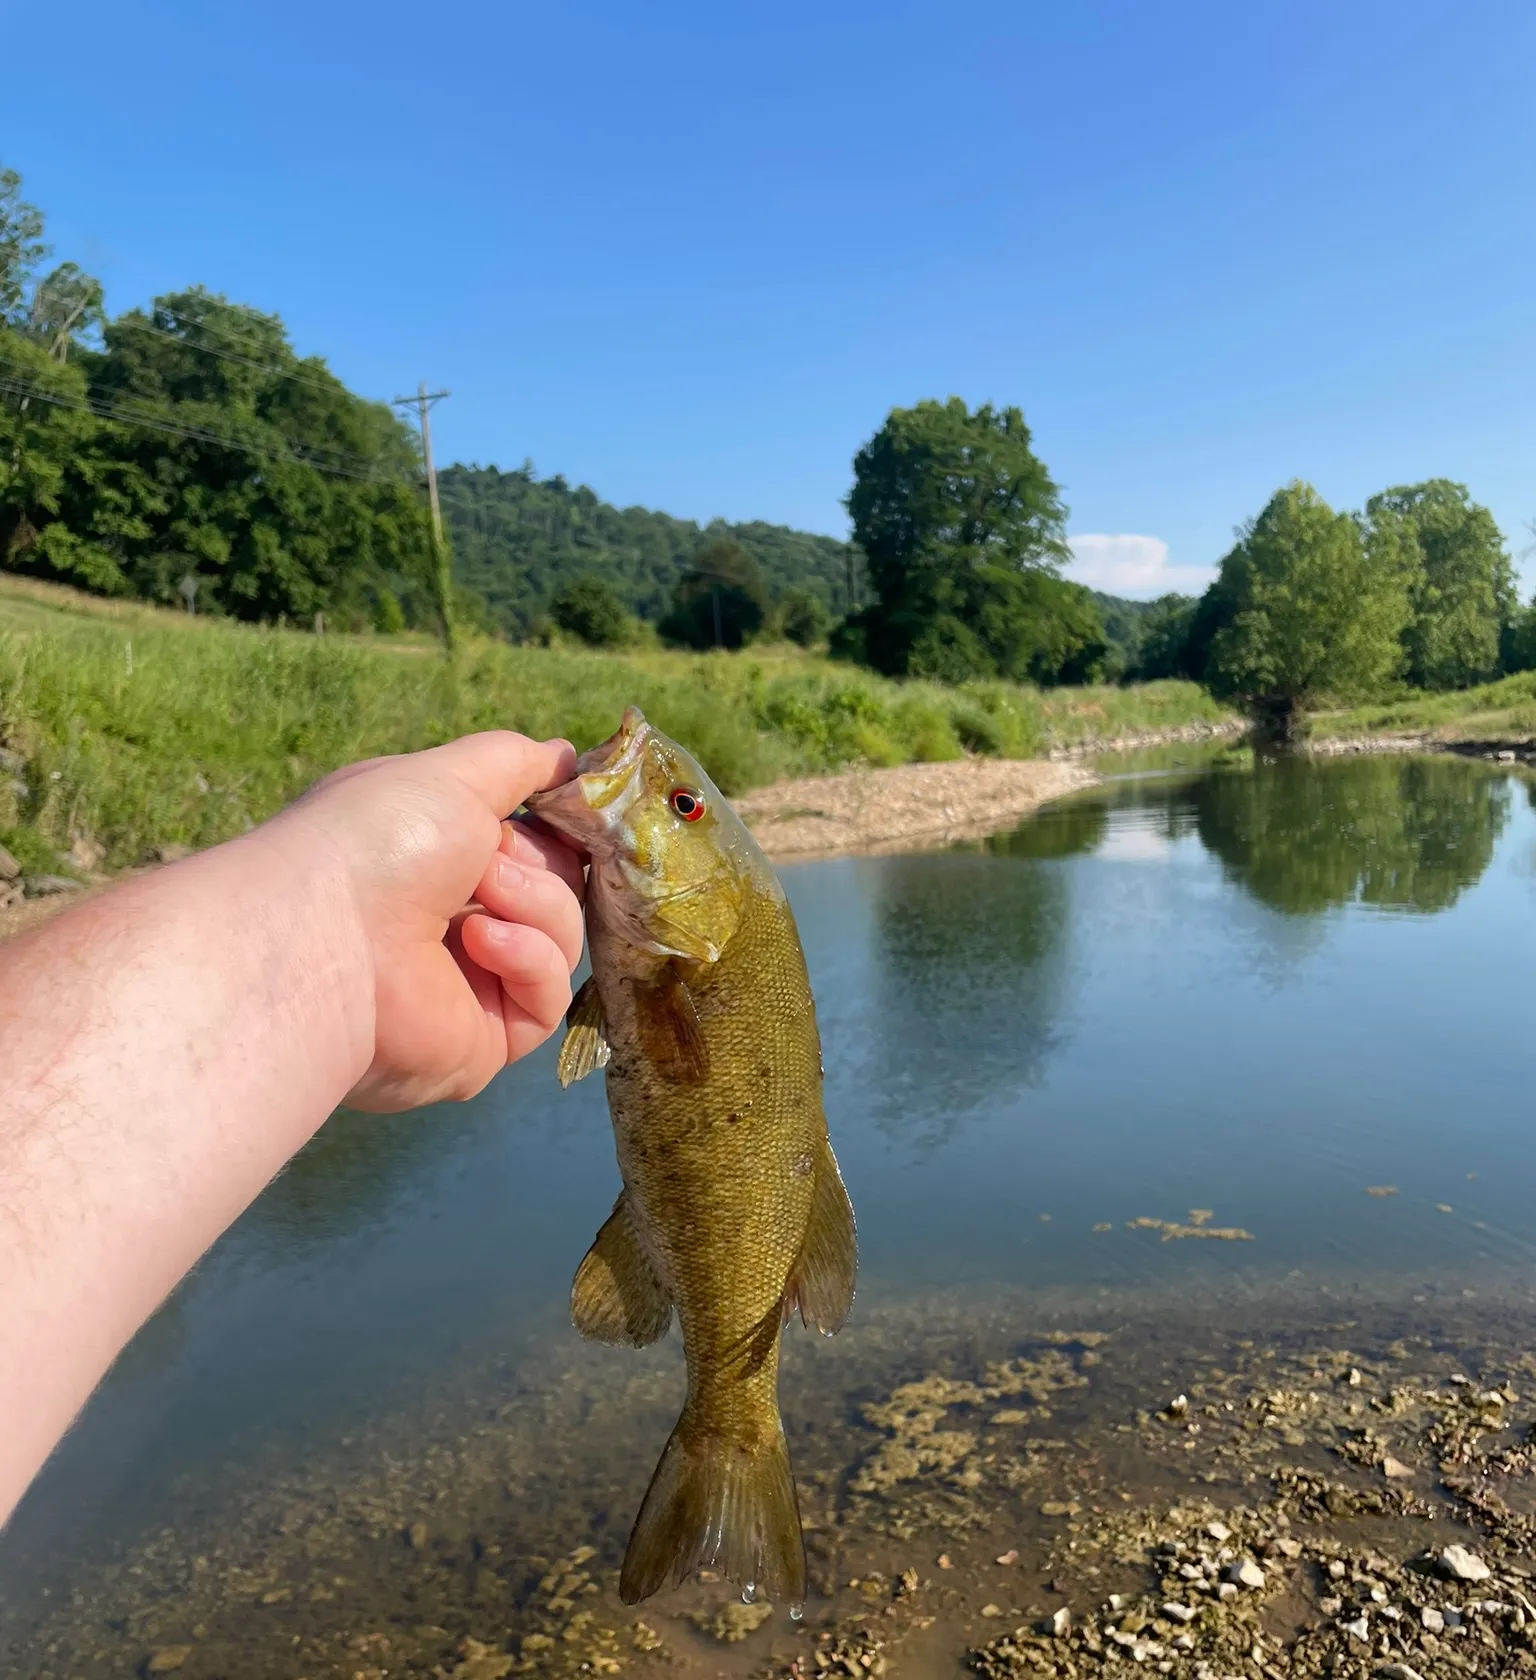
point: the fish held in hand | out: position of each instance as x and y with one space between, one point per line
733 1210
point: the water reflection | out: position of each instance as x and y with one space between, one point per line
969 962
1408 834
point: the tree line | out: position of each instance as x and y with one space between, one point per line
1312 605
185 451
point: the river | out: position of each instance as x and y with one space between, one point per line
1200 1072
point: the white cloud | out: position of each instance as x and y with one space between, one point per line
1127 564
1133 843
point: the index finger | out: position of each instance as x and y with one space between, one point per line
503 768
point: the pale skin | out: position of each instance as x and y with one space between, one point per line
168 1044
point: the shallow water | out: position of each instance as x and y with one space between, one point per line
1233 999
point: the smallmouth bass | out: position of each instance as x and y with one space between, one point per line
733 1210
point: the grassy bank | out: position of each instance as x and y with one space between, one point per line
139 727
1499 711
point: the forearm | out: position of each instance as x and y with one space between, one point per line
164 1049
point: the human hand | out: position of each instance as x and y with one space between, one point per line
460 988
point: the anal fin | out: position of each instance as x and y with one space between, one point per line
584 1047
617 1297
822 1282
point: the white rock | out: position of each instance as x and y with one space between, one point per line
1178 1612
1397 1671
1461 1565
1395 1470
1360 1628
1218 1531
1246 1573
1226 1591
1178 1405
1059 1624
1432 1620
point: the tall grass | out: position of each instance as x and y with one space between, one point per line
143 729
1503 710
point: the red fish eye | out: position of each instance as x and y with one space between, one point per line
687 805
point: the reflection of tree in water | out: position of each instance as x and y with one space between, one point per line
1397 833
970 960
1060 831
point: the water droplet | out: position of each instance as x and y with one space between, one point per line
749 1592
796 1611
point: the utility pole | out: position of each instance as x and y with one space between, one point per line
442 584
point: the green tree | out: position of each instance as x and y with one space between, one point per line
1518 648
1163 649
588 608
803 616
720 600
1461 587
962 530
21 244
1315 610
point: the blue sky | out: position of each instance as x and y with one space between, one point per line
691 254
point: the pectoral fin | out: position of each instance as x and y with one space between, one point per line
584 1047
617 1297
670 1034
821 1284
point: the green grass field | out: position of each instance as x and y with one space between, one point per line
140 727
1498 711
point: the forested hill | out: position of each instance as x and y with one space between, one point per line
517 538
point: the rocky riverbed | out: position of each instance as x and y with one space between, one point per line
997 1488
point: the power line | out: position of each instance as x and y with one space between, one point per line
299 454
334 389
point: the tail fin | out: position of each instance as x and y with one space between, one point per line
719 1504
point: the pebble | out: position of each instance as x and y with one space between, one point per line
1178 1405
1218 1531
1398 1671
1461 1565
1360 1628
1395 1471
1432 1620
1246 1574
1178 1612
417 1535
1226 1591
1059 1623
167 1659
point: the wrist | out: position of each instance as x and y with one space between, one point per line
304 902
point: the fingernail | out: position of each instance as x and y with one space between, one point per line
509 875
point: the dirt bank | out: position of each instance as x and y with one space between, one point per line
897 809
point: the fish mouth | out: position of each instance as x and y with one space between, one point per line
607 776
